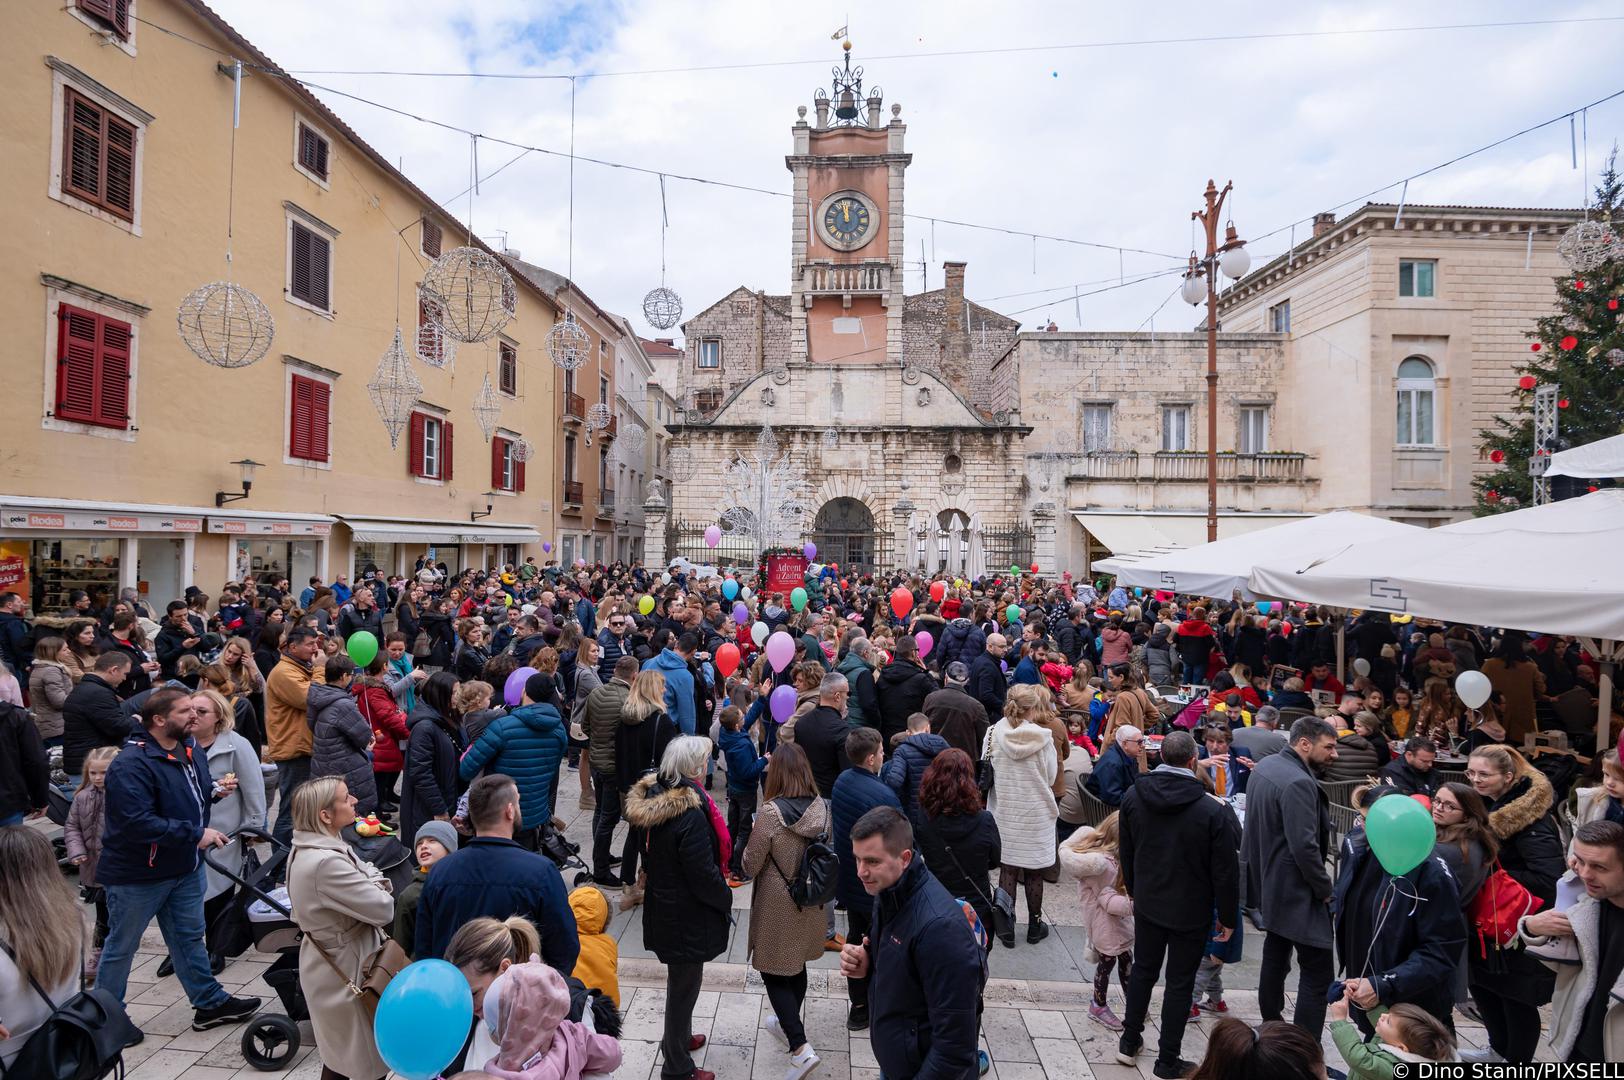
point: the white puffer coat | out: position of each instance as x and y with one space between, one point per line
1022 796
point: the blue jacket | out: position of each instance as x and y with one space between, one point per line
586 613
157 806
610 650
856 792
906 769
1114 774
744 765
496 877
679 689
527 744
925 977
962 640
1026 672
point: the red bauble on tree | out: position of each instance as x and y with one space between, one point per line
1535 347
1578 285
1526 382
1491 496
1612 305
1497 456
1562 404
1568 343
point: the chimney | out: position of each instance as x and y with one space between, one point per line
1324 223
955 341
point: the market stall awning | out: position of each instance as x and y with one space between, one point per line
1136 537
1115 563
1593 461
1223 567
406 531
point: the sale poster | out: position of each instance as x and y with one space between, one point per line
14 566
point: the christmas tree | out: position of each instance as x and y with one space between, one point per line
1579 349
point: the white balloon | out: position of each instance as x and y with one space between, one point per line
665 579
746 593
1473 688
759 632
1361 666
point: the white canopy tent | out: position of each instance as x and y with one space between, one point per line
1223 567
1592 461
1546 569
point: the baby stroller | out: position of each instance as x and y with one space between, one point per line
270 1040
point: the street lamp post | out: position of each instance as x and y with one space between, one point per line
1201 280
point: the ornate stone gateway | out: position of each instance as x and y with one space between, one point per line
845 534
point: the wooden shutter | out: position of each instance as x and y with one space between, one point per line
119 170
311 262
115 13
431 239
445 450
321 401
498 482
98 156
507 369
308 429
113 376
92 368
414 444
312 151
518 476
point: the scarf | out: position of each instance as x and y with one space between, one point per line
403 668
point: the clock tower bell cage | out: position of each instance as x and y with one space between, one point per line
846 272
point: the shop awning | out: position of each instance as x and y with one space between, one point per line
405 531
34 512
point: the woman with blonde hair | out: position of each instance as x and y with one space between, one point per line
43 937
482 949
229 754
1021 749
237 658
640 744
344 908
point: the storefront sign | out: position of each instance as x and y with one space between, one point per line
268 527
95 522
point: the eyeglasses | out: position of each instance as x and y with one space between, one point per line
1473 774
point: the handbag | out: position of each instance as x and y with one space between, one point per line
1001 902
984 770
83 1038
384 964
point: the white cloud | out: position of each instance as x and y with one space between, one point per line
1113 145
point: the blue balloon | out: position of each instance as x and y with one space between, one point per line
730 588
423 1019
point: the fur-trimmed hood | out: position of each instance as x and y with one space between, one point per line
650 803
1527 800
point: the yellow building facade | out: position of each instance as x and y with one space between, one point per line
119 150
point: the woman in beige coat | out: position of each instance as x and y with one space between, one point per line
783 936
343 905
49 684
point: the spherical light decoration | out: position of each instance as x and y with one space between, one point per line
568 344
523 450
487 409
1587 245
598 416
662 307
225 325
632 441
474 294
394 389
1194 288
680 462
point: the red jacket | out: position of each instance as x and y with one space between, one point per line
378 706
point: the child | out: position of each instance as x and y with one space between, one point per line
744 769
82 833
1091 856
599 963
524 1011
1399 712
434 841
1404 1033
909 759
1078 734
1055 673
1208 995
1604 802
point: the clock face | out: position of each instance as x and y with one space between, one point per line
846 222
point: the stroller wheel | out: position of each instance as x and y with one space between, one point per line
270 1041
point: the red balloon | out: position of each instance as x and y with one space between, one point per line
938 590
727 659
1423 800
901 603
1034 568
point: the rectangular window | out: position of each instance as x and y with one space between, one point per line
115 14
603 471
1254 429
308 426
1280 318
569 459
708 401
312 151
1096 428
431 239
507 471
710 353
1175 427
1415 418
603 389
92 368
98 156
507 368
1416 277
311 264
429 450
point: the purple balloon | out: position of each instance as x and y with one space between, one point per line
810 551
513 689
741 614
547 546
782 703
780 651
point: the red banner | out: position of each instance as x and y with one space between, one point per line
785 573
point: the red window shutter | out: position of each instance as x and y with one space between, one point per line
414 444
445 450
518 476
76 348
119 148
101 9
121 18
113 376
321 396
431 239
307 431
82 169
497 482
299 421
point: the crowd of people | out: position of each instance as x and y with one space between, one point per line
921 754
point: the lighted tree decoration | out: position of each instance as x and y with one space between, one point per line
765 494
1579 350
394 389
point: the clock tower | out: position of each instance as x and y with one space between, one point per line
846 244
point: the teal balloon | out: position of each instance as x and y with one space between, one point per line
797 598
1401 833
730 588
362 647
1013 613
423 1019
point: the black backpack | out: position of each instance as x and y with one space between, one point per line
819 871
83 1038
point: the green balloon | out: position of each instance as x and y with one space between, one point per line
797 598
1015 570
362 647
1013 613
1401 833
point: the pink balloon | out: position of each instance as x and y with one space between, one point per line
713 535
780 651
925 642
782 703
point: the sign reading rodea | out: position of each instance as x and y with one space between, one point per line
94 522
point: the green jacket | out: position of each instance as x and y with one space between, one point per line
405 931
602 720
1368 1059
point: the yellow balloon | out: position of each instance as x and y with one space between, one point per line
645 604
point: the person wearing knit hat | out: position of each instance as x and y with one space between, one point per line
525 1011
434 841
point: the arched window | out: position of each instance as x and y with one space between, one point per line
1417 403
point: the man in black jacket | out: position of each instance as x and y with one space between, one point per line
988 684
176 638
901 688
361 613
14 635
1071 636
822 732
1411 772
924 967
93 715
1179 862
24 771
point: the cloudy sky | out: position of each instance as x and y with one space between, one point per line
1110 140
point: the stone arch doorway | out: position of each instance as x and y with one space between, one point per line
952 542
845 534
